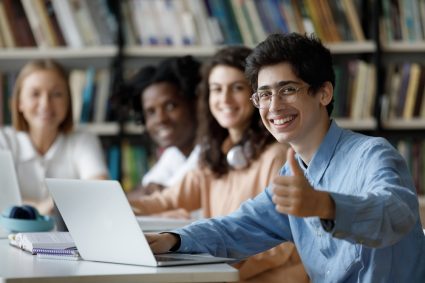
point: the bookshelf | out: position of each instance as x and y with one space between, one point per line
402 49
205 26
202 27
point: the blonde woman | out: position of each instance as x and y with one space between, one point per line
42 139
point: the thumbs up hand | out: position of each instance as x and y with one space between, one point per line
295 196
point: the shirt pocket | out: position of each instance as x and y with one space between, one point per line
344 255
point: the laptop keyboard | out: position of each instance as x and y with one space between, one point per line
170 258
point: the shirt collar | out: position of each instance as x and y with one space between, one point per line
323 155
28 152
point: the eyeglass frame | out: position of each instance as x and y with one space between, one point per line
255 96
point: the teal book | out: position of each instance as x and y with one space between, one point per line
88 93
222 11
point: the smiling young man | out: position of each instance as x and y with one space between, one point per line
346 200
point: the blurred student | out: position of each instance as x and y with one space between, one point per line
42 139
238 158
346 200
165 99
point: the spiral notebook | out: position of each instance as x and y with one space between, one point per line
104 227
52 245
43 242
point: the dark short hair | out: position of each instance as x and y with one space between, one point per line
311 61
210 134
182 72
18 119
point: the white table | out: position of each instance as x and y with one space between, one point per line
19 266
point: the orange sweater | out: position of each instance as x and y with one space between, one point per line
221 196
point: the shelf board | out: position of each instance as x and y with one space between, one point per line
206 51
103 129
111 128
402 124
133 129
169 51
404 47
349 47
359 125
151 51
58 53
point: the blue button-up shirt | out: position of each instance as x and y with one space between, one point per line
377 236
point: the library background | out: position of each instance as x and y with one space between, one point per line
378 48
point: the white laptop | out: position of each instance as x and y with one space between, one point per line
159 224
104 227
10 194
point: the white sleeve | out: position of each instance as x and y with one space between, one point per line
163 170
88 156
191 163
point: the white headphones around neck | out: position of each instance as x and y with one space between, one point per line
236 157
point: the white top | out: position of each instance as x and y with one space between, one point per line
76 155
171 167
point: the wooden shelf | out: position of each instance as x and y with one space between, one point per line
359 125
205 51
404 47
352 47
170 51
102 129
402 124
133 129
152 51
111 128
57 53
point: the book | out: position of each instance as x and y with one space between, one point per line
103 24
200 14
85 24
53 20
329 21
353 20
102 95
42 241
77 81
67 23
59 256
419 93
46 23
171 24
222 11
258 28
242 22
9 40
411 92
359 91
401 98
18 21
87 95
128 24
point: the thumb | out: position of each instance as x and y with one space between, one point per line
293 164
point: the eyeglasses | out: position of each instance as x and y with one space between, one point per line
262 98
